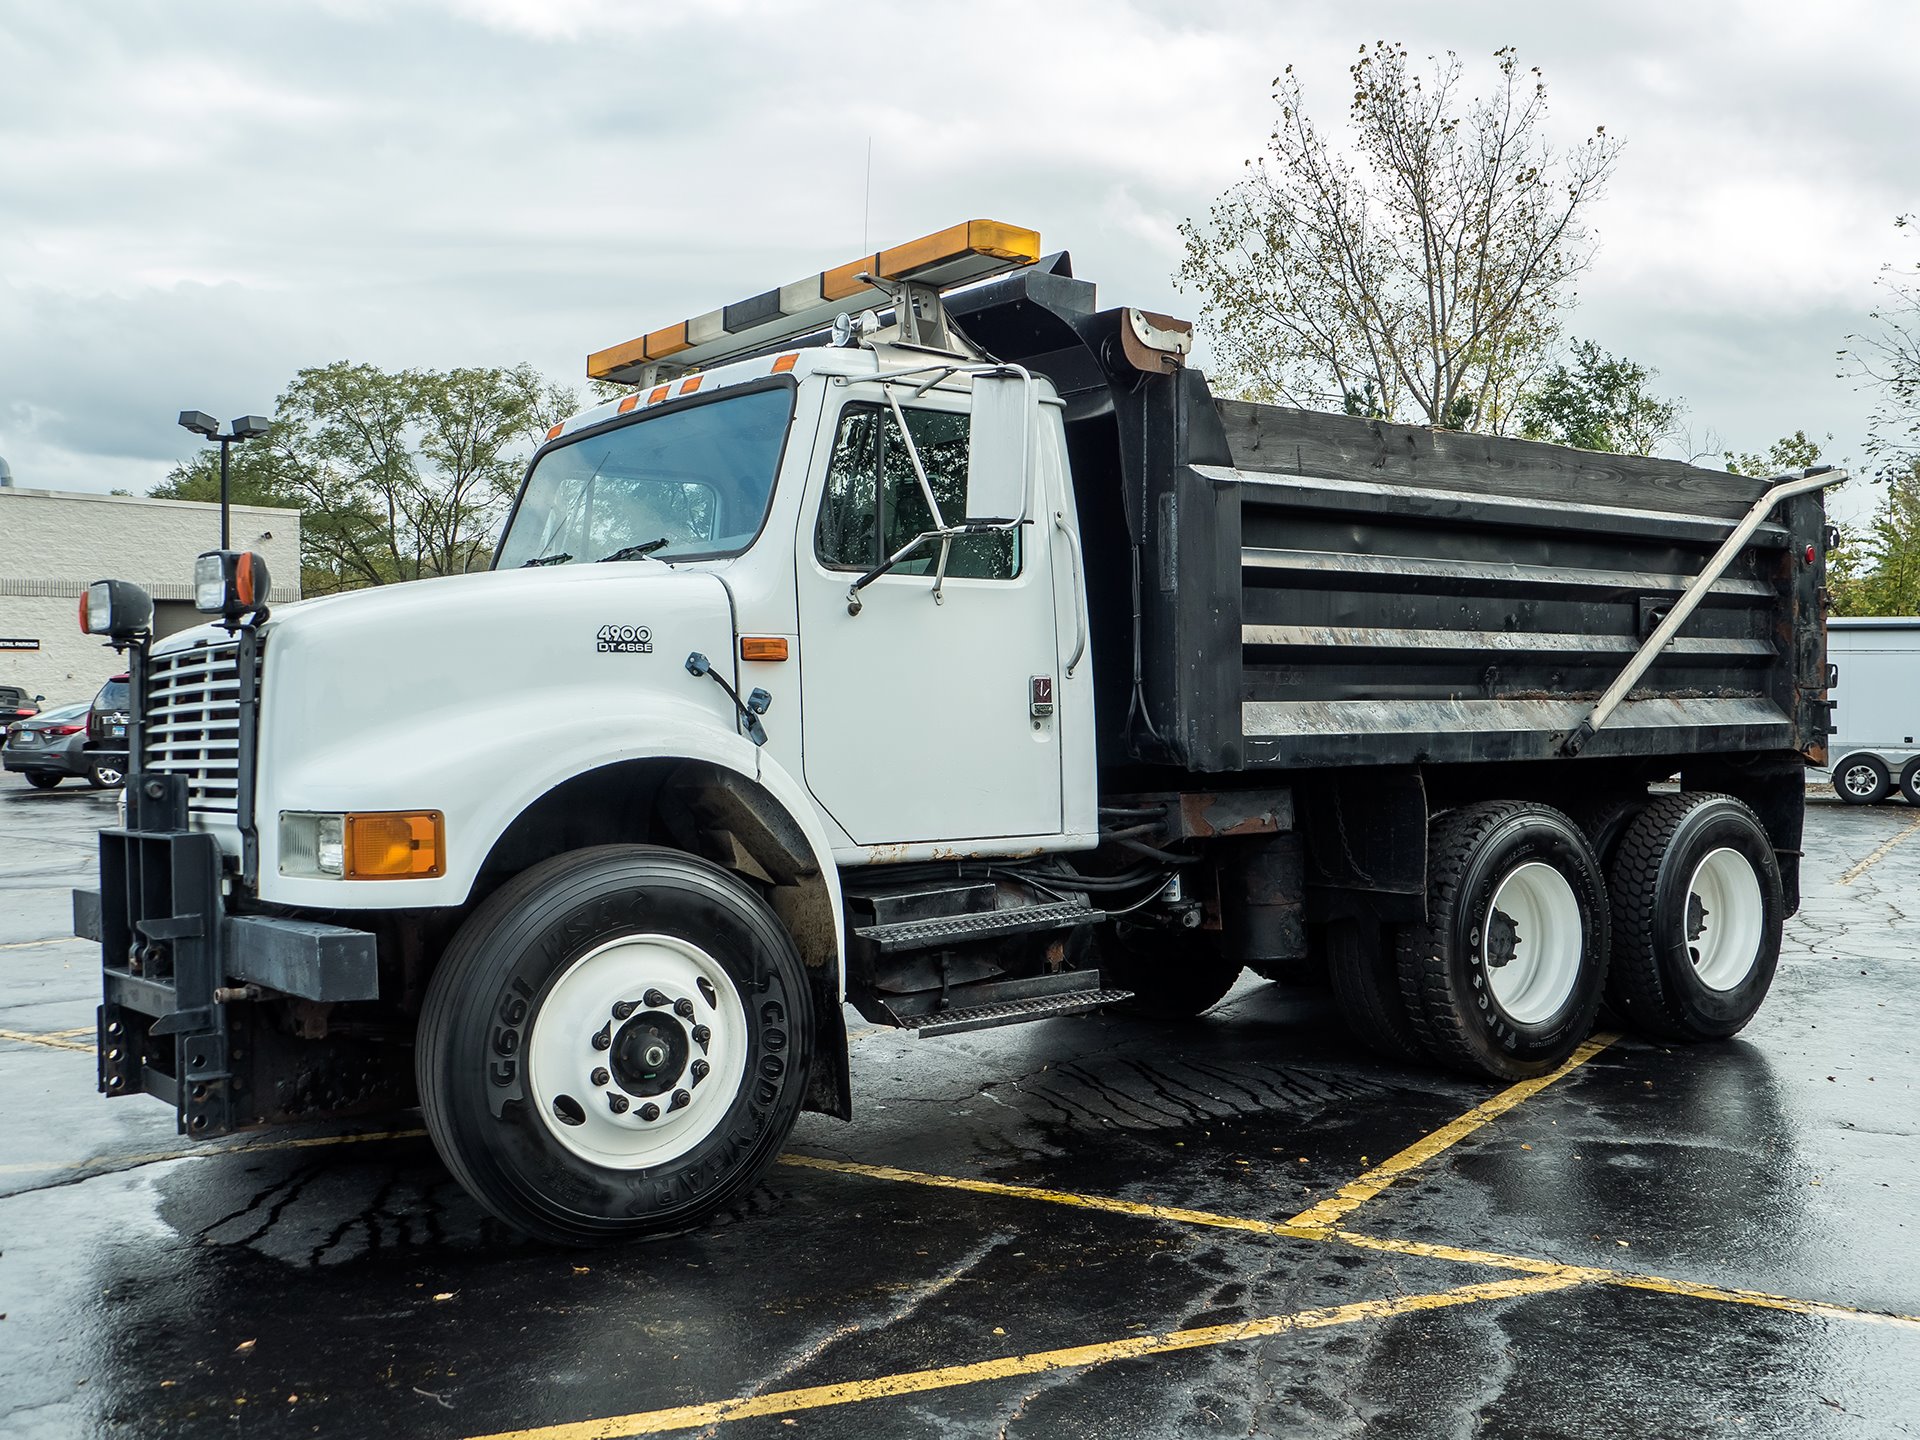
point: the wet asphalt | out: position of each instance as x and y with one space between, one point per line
347 1287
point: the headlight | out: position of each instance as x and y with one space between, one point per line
118 609
230 583
312 845
381 845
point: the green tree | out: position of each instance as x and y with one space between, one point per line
1885 580
1593 401
1789 452
1430 263
398 474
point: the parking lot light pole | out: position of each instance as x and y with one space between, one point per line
247 427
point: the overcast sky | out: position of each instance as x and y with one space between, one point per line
196 200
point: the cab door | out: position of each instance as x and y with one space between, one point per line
927 717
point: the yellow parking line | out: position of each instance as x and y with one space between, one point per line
1054 1197
946 1377
1458 1254
1622 1279
1351 1196
43 940
56 1040
127 1162
1881 853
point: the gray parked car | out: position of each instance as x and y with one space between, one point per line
52 745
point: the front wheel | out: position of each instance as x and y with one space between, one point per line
615 1044
1504 976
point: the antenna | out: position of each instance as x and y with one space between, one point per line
866 200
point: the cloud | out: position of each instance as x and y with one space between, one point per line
204 197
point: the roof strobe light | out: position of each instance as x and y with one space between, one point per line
971 250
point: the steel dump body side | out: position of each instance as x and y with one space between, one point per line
1320 591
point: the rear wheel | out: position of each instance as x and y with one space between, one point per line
105 774
1505 974
1366 986
615 1044
1697 917
1861 780
43 779
1910 781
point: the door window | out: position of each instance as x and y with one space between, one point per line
873 503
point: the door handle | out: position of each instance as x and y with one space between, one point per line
1079 610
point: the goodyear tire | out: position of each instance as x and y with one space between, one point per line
1366 987
1861 780
615 1044
1697 916
1504 976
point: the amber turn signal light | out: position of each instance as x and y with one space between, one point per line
763 647
395 844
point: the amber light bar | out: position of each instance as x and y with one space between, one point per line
971 250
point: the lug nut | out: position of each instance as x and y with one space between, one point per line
700 1071
600 1075
605 1037
649 1112
623 1009
680 1100
683 1008
656 998
617 1104
701 1035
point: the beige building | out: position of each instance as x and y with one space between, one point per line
53 544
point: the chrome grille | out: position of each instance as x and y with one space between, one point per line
191 724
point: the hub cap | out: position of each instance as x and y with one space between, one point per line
1531 945
638 1051
1726 918
1861 780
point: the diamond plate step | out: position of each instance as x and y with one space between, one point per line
1011 1012
991 925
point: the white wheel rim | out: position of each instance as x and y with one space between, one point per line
1725 920
701 1027
1530 946
1861 780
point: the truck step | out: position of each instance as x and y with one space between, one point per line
896 904
946 930
1012 1012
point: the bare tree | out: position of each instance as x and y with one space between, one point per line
1888 358
1430 265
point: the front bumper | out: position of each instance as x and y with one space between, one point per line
197 1002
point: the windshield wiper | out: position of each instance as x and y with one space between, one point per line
636 552
560 558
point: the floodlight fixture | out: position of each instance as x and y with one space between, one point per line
200 423
251 427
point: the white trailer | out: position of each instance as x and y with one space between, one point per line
1876 707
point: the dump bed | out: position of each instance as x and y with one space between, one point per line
1275 588
1412 595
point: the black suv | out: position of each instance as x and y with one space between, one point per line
107 732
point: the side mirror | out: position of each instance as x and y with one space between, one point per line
999 449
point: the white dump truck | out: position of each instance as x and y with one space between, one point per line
923 636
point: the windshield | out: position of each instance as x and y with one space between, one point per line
698 479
